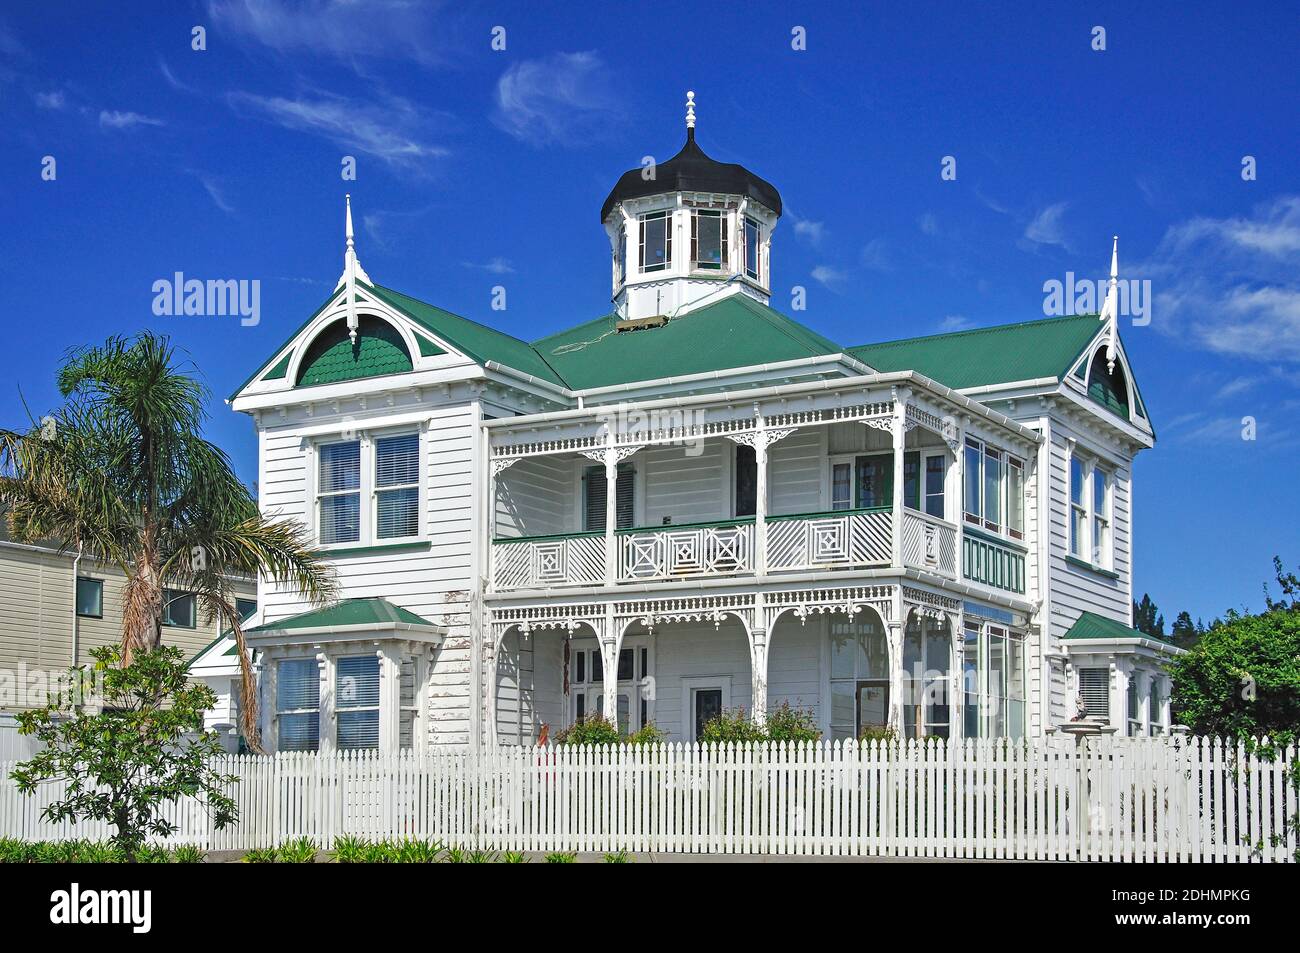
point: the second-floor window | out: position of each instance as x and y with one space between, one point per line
708 240
1091 493
753 233
390 483
594 495
746 473
656 243
994 495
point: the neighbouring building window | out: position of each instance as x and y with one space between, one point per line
746 473
90 597
753 251
994 495
859 678
297 705
356 701
656 243
338 492
595 494
708 240
178 609
244 608
993 668
1094 687
397 486
926 663
935 473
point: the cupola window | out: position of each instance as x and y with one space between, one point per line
708 240
656 241
752 232
621 259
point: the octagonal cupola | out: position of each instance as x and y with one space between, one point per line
689 231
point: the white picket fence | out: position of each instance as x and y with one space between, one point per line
1116 799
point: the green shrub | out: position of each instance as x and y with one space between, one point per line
513 857
792 724
350 850
412 851
622 857
301 850
153 854
12 851
731 727
260 855
561 857
647 734
591 730
878 733
187 854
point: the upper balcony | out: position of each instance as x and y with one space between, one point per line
656 495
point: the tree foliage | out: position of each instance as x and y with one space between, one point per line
146 749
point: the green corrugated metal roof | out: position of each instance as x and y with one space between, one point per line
371 611
477 341
997 355
735 332
1089 625
332 357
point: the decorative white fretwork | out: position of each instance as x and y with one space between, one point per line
757 438
714 609
805 603
503 464
619 454
881 423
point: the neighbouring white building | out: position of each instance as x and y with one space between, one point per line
692 504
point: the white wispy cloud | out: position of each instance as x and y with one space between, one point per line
1231 285
875 256
830 277
1046 227
493 266
389 128
346 30
955 322
807 229
50 100
928 224
113 119
560 98
1238 385
215 191
172 81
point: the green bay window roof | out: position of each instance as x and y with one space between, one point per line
347 612
1090 625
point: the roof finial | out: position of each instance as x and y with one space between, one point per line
690 113
352 270
347 198
1110 310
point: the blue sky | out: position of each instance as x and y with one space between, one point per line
478 168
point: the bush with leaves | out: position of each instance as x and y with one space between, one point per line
147 749
785 723
733 726
792 724
591 730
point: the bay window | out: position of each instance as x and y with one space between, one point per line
859 675
656 241
753 232
297 705
356 702
1100 517
708 240
994 495
993 670
385 471
926 662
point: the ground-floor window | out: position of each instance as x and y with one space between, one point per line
1134 708
1094 689
297 705
356 701
587 684
927 653
993 675
859 675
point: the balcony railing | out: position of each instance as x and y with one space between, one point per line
535 562
993 562
929 543
677 552
830 540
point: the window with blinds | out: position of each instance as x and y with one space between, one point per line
594 495
356 702
338 492
297 705
409 703
1094 686
397 486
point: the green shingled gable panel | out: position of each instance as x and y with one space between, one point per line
997 355
332 357
734 332
371 611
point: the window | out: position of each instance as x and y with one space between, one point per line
1015 498
707 705
1157 713
875 479
995 489
338 492
409 704
620 256
926 663
841 486
244 608
297 705
178 608
1100 518
708 240
935 472
1094 689
90 597
397 486
594 496
746 480
656 241
993 667
1134 708
356 701
1090 512
753 233
859 678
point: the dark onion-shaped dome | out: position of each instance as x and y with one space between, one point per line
693 171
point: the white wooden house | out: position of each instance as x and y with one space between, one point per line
695 503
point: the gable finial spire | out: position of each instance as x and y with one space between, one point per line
352 270
1110 310
690 114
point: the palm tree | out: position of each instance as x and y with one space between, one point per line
121 473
